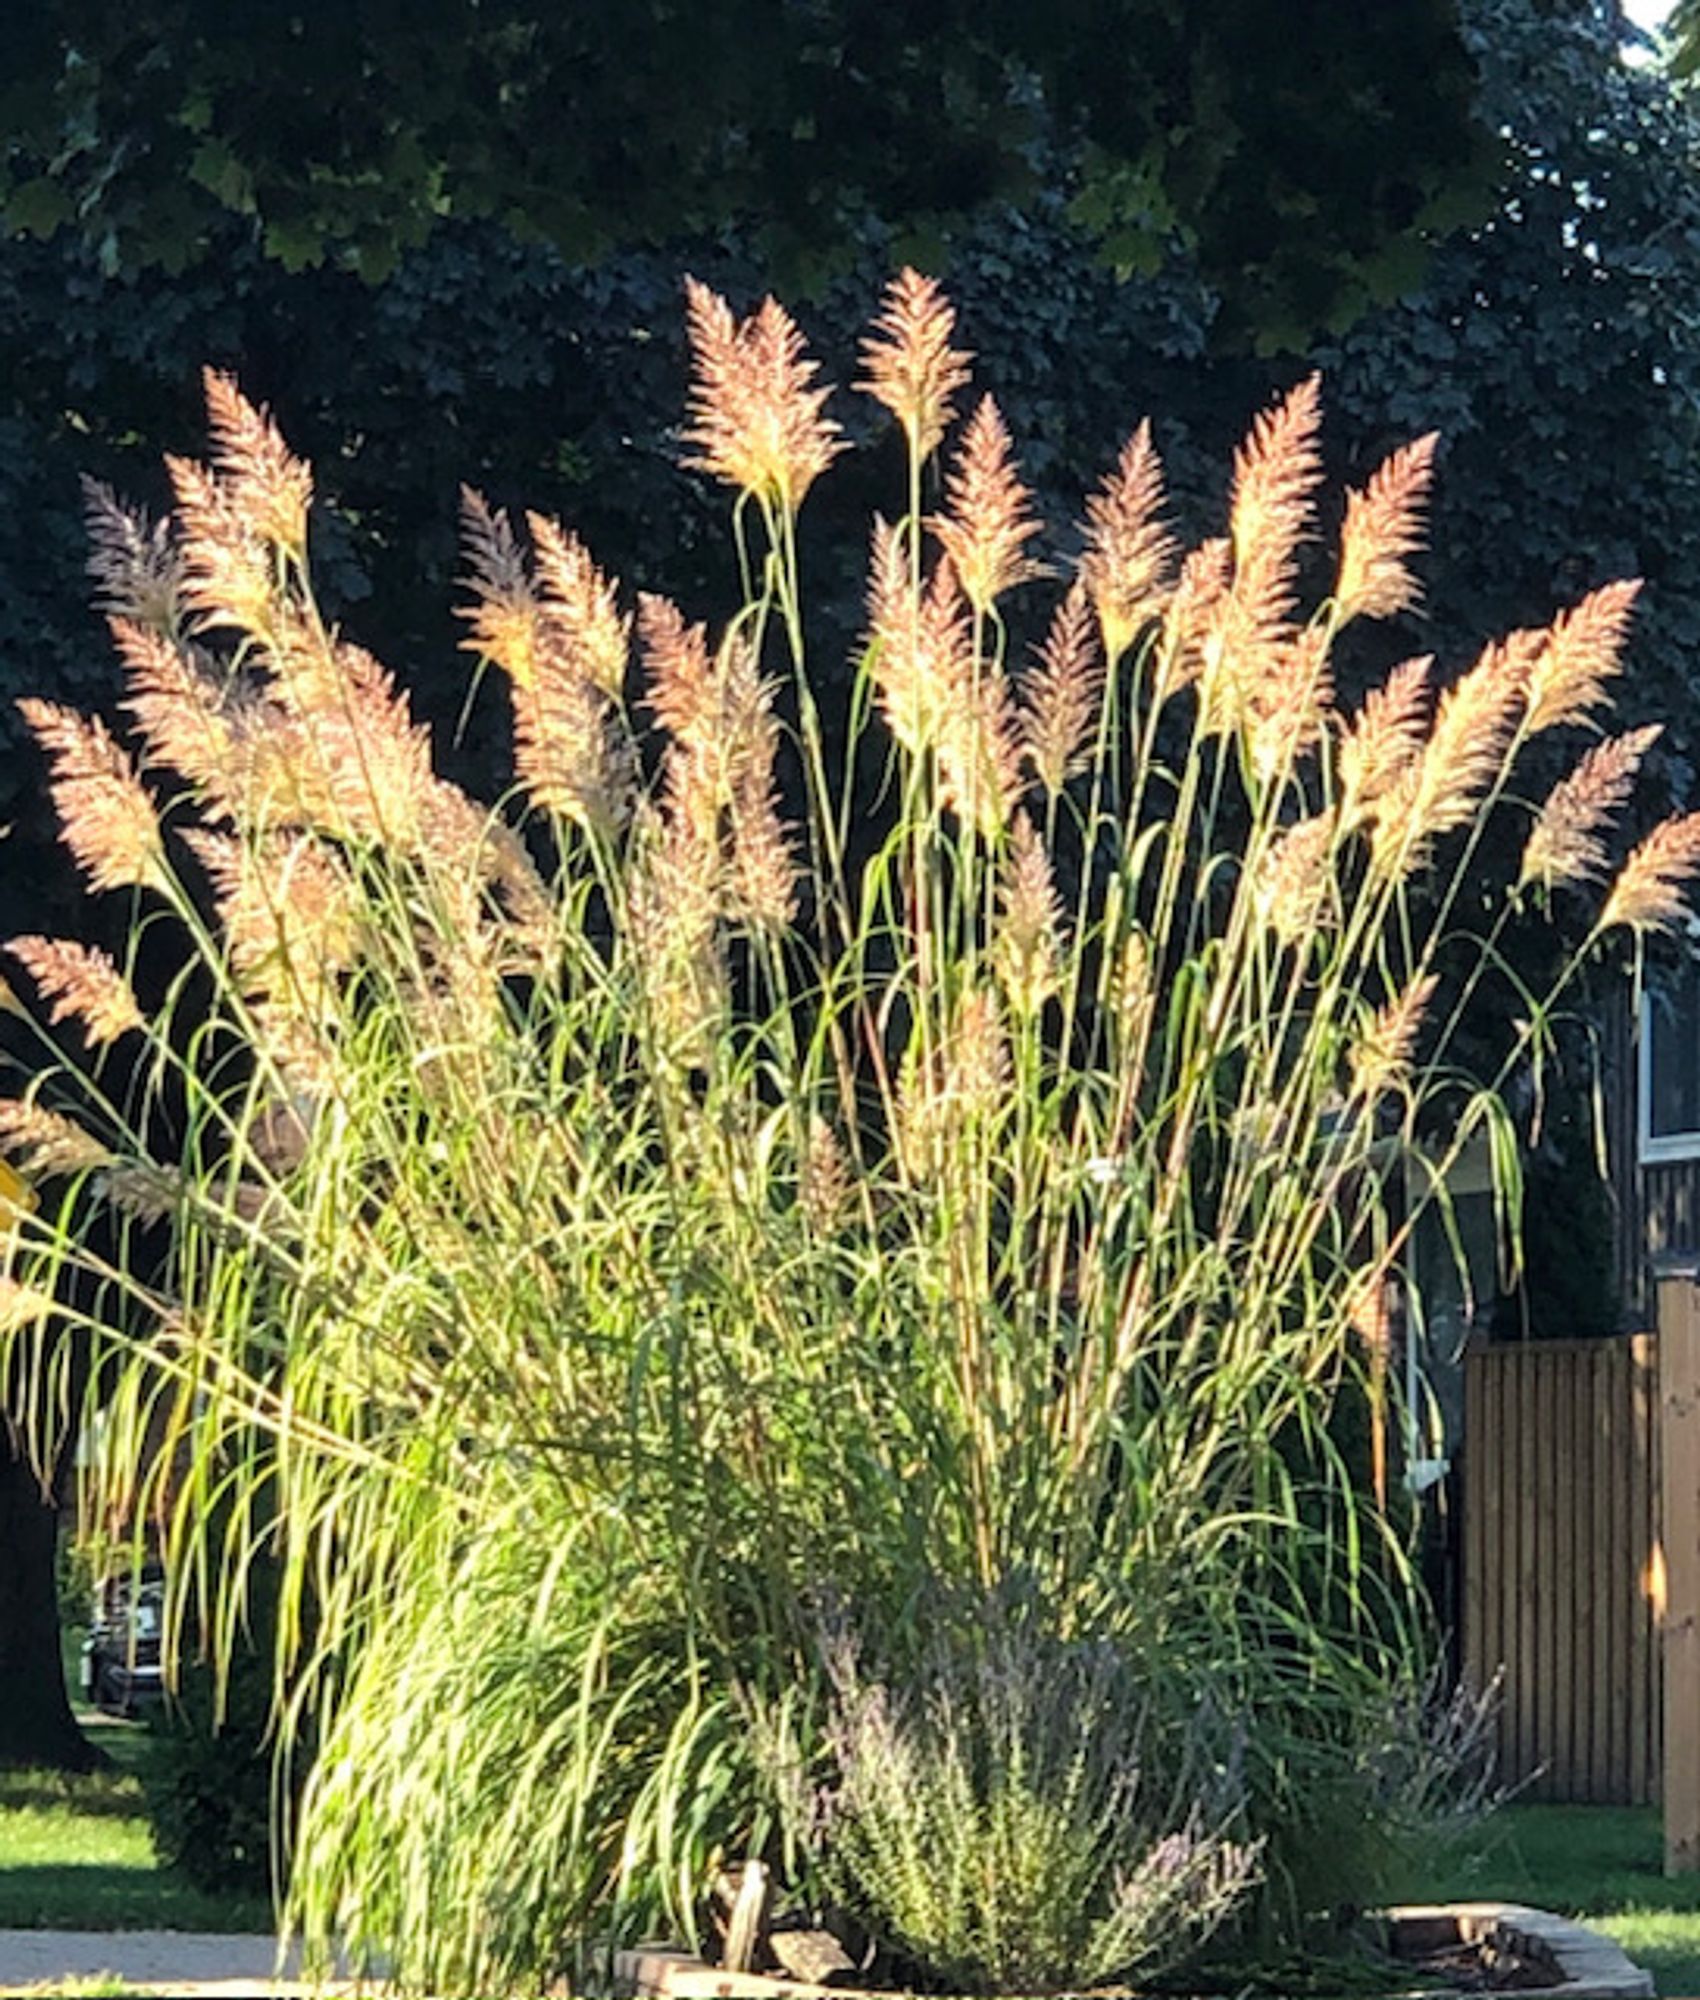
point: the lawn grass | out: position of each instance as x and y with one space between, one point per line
1604 1864
76 1854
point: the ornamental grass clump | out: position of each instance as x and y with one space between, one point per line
579 1241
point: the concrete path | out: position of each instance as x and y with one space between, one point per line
152 1962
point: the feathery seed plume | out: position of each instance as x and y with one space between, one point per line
80 983
756 422
989 522
673 940
465 844
1565 846
977 1055
1206 572
178 708
911 366
763 885
364 770
1296 892
563 644
931 695
288 912
142 1189
823 1184
1134 990
1060 697
228 574
266 483
1276 472
1384 738
1128 548
581 605
677 669
108 819
1287 706
1465 754
504 615
1382 1054
135 564
1025 949
1383 526
979 752
568 750
1649 893
943 1093
42 1143
911 648
1581 652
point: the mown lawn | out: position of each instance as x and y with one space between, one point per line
1601 1863
75 1854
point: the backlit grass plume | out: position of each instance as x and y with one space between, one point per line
580 1240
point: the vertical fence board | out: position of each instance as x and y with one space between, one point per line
1625 1562
1476 1457
1641 1631
1562 1580
1679 1415
1562 1495
1599 1578
1583 1569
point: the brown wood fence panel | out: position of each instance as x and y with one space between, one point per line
1561 1496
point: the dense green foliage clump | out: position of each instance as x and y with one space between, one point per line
769 1292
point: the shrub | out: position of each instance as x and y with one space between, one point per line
997 1818
207 1781
605 1229
212 1777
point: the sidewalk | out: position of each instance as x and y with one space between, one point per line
152 1962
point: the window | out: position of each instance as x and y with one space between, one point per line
1670 1064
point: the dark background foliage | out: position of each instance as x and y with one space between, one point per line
419 312
1302 152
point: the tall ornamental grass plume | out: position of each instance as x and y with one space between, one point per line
955 1152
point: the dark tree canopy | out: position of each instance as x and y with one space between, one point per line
1303 154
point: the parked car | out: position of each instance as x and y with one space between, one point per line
121 1669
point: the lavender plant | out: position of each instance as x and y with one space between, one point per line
999 1813
597 1228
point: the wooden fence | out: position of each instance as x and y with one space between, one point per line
1563 1581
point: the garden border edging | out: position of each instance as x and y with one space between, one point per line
1584 1964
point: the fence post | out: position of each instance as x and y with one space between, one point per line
1679 1438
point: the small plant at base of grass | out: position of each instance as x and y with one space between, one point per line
995 1818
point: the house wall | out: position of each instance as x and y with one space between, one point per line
1656 1207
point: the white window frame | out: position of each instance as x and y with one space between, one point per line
1651 1150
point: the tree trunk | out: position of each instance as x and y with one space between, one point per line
37 1727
